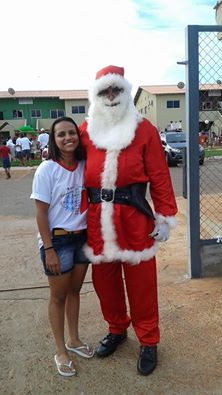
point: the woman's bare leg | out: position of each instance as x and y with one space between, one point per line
59 286
73 303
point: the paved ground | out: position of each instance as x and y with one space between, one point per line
190 356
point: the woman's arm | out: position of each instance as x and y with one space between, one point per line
52 260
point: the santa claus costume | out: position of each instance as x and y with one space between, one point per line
123 151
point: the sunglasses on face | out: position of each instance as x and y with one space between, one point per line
115 90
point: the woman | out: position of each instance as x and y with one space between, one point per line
61 208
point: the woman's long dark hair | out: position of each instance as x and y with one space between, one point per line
54 152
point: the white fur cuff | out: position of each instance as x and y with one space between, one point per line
171 221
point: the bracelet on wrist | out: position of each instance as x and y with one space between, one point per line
48 248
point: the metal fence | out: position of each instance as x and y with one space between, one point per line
204 119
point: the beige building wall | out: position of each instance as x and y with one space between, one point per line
78 118
13 124
146 105
44 123
154 108
11 127
166 115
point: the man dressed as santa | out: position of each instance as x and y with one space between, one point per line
124 156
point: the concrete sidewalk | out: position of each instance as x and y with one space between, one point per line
190 321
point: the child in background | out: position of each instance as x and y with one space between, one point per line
5 155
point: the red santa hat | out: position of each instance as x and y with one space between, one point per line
110 70
109 76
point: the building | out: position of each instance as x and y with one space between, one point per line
39 108
164 106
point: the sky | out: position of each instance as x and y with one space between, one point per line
61 44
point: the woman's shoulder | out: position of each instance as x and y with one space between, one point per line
46 165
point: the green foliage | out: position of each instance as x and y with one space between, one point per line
31 163
213 152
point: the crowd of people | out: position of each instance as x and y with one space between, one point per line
210 139
91 208
24 149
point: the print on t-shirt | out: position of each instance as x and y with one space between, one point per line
71 199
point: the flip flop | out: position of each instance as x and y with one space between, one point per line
89 352
60 365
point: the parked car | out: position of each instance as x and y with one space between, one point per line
173 144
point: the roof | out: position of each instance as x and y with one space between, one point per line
162 89
171 89
158 90
61 94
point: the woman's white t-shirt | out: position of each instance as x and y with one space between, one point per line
64 191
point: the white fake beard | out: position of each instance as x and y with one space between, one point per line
111 112
112 126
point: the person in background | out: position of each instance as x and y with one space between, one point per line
61 209
124 156
43 139
33 147
26 148
11 146
5 155
18 149
45 152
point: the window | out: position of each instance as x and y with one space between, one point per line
1 115
219 105
206 105
35 113
214 93
56 113
82 109
75 110
173 104
17 114
78 110
25 101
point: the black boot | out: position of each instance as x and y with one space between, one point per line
147 360
109 344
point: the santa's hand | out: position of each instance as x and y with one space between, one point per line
161 232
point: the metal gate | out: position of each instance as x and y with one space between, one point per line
204 121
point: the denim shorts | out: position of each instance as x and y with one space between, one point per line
6 163
26 152
69 249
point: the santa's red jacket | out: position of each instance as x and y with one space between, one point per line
117 231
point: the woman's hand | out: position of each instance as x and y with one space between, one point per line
52 261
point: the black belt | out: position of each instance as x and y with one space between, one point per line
132 195
118 195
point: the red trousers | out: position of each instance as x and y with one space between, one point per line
141 288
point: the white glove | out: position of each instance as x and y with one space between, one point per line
161 232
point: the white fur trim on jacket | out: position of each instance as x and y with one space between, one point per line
111 250
129 256
171 221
